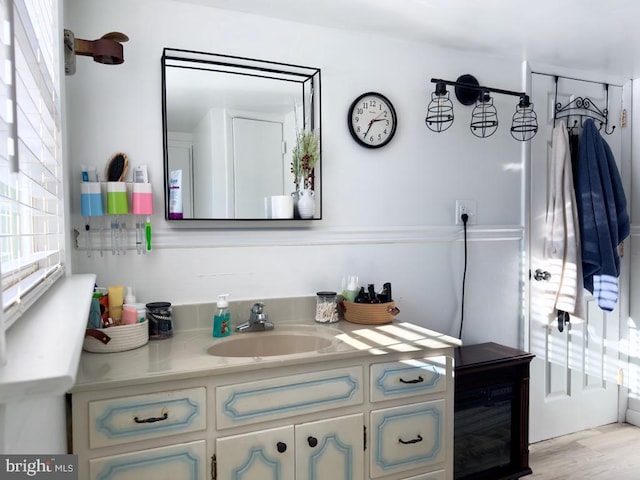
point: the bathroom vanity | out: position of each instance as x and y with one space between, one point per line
362 402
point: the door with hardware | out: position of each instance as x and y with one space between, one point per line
574 373
331 449
325 449
264 455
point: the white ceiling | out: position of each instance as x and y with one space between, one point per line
588 35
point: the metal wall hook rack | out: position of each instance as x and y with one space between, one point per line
583 108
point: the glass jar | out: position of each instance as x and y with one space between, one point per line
327 307
160 322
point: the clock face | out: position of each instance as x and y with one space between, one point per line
372 120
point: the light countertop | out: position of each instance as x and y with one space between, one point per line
185 354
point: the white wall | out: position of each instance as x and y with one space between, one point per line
388 214
36 426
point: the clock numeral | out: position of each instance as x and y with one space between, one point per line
358 129
371 139
357 119
360 111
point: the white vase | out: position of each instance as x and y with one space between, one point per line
306 203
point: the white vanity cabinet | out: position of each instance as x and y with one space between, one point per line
331 449
366 415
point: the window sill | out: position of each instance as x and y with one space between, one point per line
43 347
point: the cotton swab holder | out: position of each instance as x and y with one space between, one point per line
117 204
90 206
143 205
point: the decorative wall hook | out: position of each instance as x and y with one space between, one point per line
106 49
581 108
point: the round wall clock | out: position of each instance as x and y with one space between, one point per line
372 120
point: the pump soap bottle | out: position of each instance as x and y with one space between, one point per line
222 318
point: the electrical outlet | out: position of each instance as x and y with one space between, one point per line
470 208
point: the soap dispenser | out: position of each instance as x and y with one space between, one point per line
222 318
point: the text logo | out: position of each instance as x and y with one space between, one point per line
41 467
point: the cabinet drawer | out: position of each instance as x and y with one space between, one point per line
409 377
131 419
186 461
407 437
436 475
273 398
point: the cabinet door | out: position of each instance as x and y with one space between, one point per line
263 455
186 461
330 449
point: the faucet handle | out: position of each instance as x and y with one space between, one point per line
257 308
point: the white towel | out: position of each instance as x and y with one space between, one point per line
565 290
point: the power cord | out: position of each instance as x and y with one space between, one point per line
465 218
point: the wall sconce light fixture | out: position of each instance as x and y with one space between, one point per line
484 117
106 49
440 110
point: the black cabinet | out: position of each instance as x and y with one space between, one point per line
491 434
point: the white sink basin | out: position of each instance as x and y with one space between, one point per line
283 340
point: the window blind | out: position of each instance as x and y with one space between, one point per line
31 166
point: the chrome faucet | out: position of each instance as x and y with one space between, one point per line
258 320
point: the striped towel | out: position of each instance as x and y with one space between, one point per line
605 291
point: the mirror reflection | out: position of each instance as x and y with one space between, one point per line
233 131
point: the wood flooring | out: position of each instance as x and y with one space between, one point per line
610 452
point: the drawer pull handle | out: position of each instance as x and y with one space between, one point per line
415 380
165 415
312 441
281 447
407 442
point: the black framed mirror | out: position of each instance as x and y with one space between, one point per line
230 130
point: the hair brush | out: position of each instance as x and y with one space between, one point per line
117 168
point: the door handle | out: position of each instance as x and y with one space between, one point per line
540 275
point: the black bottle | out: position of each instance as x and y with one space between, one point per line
361 297
373 298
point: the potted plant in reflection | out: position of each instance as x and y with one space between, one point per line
305 156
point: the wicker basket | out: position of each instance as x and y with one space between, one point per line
116 339
369 313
